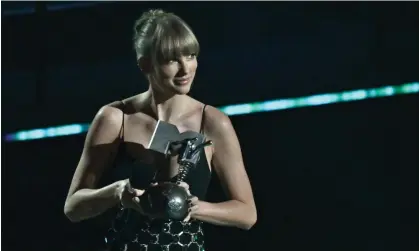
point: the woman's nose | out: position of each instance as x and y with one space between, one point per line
183 66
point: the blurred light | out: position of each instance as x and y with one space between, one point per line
47 132
17 12
321 99
30 8
65 6
241 109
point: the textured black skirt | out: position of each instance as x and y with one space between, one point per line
132 232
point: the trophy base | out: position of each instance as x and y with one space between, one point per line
166 201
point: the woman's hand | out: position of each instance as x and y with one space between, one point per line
128 196
193 202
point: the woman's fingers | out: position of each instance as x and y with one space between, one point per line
188 218
135 204
193 207
184 185
192 210
193 200
193 204
138 192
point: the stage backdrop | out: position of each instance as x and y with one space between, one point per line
59 67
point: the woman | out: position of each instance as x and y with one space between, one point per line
167 52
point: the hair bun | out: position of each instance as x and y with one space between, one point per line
156 12
147 17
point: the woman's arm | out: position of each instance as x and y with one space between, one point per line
227 161
83 200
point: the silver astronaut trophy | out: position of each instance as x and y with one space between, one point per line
168 200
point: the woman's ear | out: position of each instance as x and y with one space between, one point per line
144 64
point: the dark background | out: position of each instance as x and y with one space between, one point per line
338 177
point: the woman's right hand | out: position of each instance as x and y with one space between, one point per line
128 196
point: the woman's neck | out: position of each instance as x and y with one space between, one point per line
169 108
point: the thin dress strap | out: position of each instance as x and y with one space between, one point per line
122 131
202 119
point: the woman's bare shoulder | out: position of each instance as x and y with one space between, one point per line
215 115
135 104
117 111
109 115
216 122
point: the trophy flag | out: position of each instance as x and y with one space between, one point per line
166 134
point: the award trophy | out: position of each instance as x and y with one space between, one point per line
168 200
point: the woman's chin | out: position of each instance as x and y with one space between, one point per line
182 89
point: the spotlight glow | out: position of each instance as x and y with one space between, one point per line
241 109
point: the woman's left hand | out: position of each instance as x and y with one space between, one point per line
193 202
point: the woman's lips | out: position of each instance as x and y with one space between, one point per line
182 81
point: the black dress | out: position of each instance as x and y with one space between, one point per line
130 231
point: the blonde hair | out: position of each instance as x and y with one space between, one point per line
162 36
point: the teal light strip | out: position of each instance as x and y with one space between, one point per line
49 132
320 99
241 109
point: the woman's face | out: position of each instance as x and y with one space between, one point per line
176 76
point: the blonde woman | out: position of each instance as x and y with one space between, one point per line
115 167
